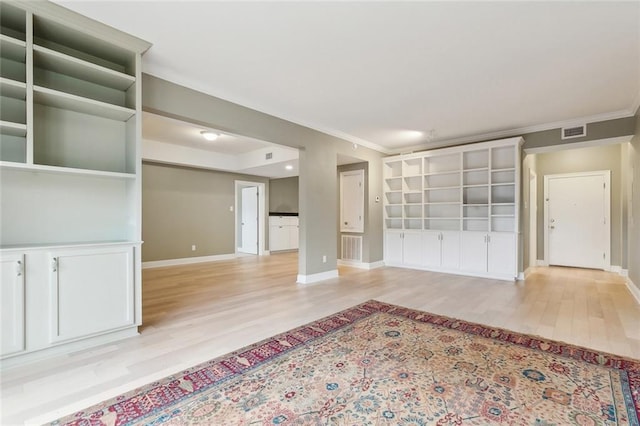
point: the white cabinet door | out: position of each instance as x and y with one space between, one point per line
294 234
12 303
277 238
502 254
412 248
393 248
473 256
431 250
92 292
450 249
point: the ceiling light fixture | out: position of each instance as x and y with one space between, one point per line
288 167
208 135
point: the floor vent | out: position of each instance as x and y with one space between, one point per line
352 248
574 132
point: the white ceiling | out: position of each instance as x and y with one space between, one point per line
397 75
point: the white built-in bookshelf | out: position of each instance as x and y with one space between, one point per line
70 129
472 188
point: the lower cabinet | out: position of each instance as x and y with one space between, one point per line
84 302
12 304
464 252
283 233
56 298
491 253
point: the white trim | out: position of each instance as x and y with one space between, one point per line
187 260
606 175
616 269
576 145
624 272
320 276
521 276
238 185
361 265
635 291
541 262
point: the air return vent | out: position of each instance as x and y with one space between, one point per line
268 156
352 248
574 132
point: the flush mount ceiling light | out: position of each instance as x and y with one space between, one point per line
208 135
288 167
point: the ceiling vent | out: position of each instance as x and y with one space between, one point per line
268 156
574 132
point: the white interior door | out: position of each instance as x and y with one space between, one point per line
250 220
352 201
577 220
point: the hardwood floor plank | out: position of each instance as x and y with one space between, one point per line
197 312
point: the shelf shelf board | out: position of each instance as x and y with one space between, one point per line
78 68
475 218
476 169
436 203
63 170
503 215
13 129
476 185
434 188
413 191
507 169
79 104
415 175
441 218
12 48
449 172
503 184
393 177
475 204
12 88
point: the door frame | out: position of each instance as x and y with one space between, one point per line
606 175
533 218
239 184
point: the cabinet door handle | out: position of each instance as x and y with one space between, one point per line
488 238
54 264
485 238
19 267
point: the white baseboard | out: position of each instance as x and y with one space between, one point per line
521 276
361 265
541 262
320 276
635 291
187 260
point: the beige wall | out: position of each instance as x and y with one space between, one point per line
633 190
283 195
183 206
608 157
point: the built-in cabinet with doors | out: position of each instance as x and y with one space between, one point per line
283 232
70 126
455 209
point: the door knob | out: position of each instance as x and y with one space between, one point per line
552 227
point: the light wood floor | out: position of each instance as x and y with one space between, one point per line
197 312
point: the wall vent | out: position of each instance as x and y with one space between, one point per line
268 156
352 248
574 132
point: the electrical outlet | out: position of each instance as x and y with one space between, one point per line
324 259
230 208
193 247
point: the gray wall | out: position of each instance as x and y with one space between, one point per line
633 190
318 162
606 157
283 195
183 206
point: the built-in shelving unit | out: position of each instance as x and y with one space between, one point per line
70 129
471 188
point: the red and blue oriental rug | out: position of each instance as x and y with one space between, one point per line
379 364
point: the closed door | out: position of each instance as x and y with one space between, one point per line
473 257
450 249
577 220
431 249
250 220
393 248
12 304
412 248
502 254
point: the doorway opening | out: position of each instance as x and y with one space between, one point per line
250 217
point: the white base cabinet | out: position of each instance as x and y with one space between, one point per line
283 233
492 254
55 298
403 248
12 304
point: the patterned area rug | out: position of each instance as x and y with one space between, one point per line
379 364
